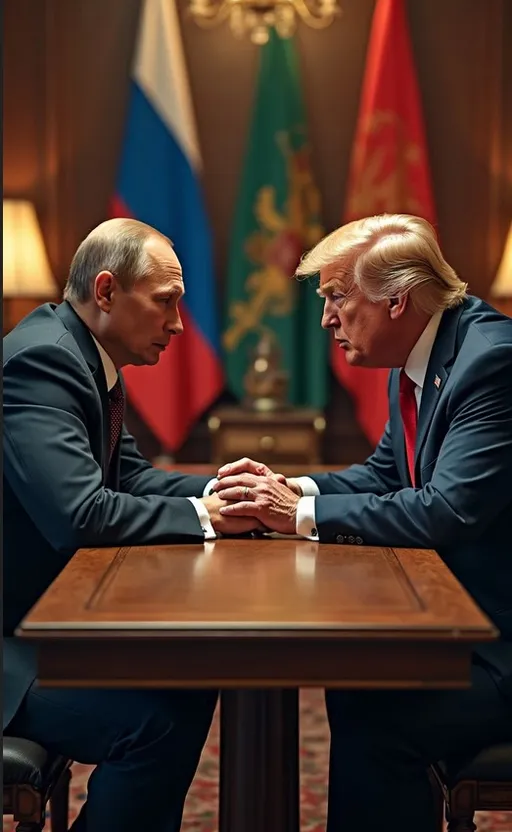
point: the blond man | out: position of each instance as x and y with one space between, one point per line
440 477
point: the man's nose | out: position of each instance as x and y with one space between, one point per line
174 323
329 315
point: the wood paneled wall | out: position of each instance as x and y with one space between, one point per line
66 72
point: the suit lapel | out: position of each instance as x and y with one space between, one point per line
432 388
440 361
396 419
90 352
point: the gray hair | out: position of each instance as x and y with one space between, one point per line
390 255
117 246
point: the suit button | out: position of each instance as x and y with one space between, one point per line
351 539
340 538
359 540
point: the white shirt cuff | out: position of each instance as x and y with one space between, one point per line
306 525
308 486
204 518
208 487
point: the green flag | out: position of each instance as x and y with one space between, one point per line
277 219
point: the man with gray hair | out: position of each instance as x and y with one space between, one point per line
74 478
439 478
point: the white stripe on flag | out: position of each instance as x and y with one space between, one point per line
161 72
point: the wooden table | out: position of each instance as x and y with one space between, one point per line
259 619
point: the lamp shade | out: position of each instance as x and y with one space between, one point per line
26 270
502 286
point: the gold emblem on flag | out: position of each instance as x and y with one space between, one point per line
385 164
277 246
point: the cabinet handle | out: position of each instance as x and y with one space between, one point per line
267 443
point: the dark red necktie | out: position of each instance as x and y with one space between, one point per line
116 413
409 412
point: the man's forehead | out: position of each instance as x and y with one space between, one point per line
171 283
328 273
163 281
158 246
335 275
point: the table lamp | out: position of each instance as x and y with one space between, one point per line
501 289
27 277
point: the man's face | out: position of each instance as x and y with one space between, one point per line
361 328
142 319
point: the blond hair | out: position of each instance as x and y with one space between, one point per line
387 256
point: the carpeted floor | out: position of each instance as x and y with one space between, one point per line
201 806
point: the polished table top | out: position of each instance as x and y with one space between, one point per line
253 612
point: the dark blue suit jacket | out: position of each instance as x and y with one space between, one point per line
60 493
463 468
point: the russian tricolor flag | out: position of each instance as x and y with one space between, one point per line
158 184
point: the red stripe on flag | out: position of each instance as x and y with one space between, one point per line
368 390
172 394
117 208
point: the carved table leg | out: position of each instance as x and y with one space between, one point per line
461 807
259 761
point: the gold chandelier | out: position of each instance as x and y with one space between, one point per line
256 17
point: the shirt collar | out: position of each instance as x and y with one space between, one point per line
109 367
417 363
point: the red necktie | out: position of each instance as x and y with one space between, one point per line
116 413
409 412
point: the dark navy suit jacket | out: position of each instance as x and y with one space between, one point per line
462 503
60 492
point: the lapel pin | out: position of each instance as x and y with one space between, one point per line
437 382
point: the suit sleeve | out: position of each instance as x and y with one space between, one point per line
140 478
378 475
50 408
470 484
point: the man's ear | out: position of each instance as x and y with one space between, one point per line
104 286
397 306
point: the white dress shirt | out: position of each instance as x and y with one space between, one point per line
416 368
111 377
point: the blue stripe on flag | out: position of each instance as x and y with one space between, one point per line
159 186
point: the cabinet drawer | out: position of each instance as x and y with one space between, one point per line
236 442
290 436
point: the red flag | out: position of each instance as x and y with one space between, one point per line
388 173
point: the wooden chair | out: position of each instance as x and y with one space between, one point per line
481 782
31 778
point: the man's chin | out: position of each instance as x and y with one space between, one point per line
353 358
152 360
148 360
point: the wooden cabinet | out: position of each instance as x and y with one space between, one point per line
280 437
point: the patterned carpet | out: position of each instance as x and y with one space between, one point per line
201 806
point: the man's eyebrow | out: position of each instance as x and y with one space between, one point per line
329 287
175 289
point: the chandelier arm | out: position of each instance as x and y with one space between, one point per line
212 15
311 18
